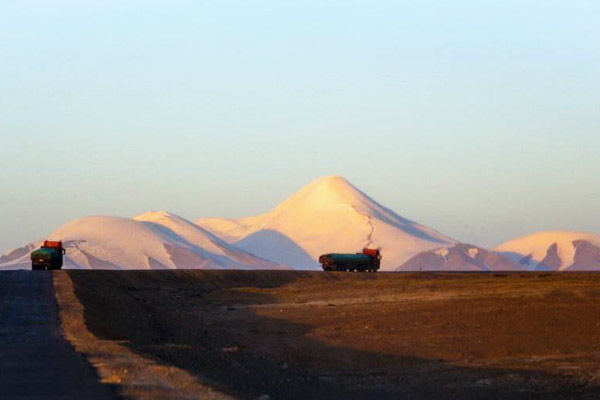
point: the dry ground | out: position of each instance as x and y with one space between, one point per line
301 335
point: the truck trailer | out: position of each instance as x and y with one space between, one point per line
367 261
48 257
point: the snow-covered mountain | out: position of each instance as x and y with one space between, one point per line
18 258
555 250
151 241
460 257
328 215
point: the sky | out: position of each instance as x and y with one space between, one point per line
480 119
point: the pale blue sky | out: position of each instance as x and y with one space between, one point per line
478 118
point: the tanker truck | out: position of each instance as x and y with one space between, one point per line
367 261
47 257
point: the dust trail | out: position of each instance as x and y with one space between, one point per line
369 239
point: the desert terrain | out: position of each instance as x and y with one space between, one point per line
298 335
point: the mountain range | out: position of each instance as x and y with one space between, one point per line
328 215
555 251
149 241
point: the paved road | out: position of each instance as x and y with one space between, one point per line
35 361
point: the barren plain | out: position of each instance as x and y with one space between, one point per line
300 335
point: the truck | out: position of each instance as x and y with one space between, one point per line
369 260
48 257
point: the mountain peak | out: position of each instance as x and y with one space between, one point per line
329 215
153 216
326 191
329 179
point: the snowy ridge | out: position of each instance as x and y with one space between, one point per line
18 258
203 239
554 250
460 257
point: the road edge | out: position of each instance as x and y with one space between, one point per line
128 374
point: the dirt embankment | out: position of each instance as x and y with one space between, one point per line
298 335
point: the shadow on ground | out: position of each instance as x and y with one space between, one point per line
299 335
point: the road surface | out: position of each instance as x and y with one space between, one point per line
36 362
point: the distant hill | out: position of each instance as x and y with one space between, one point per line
555 251
152 241
460 257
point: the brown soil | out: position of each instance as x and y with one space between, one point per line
299 335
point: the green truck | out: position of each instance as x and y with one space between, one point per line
367 261
48 257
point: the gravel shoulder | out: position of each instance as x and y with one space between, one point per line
129 375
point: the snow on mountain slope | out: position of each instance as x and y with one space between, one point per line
120 243
18 258
460 257
555 250
204 239
328 215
